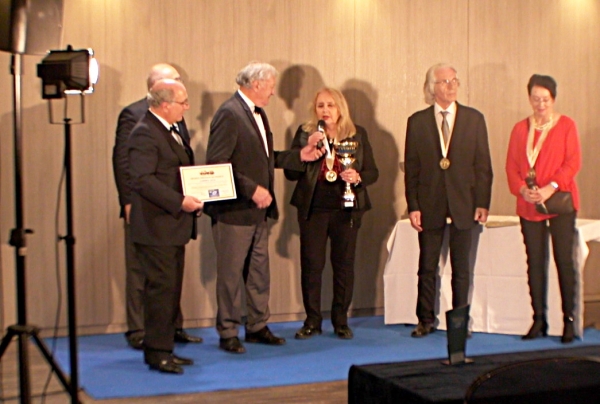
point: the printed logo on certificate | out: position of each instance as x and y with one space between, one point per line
212 182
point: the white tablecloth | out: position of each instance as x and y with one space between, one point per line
500 301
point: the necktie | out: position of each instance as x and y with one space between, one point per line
445 127
175 133
257 110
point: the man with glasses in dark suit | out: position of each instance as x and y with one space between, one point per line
163 220
134 272
448 183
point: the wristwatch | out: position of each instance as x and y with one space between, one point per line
554 185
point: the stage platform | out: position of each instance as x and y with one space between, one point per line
429 381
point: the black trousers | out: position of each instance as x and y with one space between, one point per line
536 236
164 277
135 279
430 244
342 231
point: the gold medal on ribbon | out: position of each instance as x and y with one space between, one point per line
331 176
444 163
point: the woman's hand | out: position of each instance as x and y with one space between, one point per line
546 192
351 176
531 195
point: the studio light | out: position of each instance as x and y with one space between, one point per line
68 72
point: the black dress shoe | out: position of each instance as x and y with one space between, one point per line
307 331
181 361
232 345
264 336
166 366
343 332
182 336
422 330
135 339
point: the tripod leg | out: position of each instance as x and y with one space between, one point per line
24 368
19 331
50 359
6 340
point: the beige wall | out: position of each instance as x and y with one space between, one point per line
376 51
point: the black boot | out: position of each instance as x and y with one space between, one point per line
538 328
568 331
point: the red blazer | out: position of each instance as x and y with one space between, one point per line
559 161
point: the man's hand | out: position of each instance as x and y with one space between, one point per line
311 152
262 197
127 212
415 220
191 204
481 215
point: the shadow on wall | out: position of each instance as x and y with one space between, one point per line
298 85
208 103
379 221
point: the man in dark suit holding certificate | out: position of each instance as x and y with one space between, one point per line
163 220
448 182
240 135
135 279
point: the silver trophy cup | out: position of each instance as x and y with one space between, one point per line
345 151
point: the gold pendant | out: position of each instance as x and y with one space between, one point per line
444 163
531 173
331 176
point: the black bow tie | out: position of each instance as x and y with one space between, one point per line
175 129
257 110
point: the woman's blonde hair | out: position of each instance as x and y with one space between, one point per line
345 126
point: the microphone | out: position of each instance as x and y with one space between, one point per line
530 181
320 128
531 184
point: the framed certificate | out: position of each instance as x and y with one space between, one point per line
213 182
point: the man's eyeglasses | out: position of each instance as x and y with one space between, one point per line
447 82
185 103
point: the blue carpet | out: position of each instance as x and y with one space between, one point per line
109 369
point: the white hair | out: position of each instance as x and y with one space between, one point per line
254 71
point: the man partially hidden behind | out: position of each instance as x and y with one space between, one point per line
240 135
448 183
134 271
163 220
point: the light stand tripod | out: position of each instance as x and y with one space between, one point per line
18 240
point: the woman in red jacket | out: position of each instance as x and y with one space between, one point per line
543 158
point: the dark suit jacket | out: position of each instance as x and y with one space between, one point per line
154 161
235 138
464 186
307 180
128 117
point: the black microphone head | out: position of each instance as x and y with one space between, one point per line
531 184
321 126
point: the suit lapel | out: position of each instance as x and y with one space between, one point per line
182 152
185 137
250 116
458 122
431 127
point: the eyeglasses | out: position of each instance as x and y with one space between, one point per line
185 103
447 82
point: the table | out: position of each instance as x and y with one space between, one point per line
499 295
